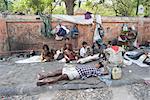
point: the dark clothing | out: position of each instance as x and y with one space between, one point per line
47 56
137 56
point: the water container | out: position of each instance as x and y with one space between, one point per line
116 73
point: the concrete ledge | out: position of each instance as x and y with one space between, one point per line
124 19
24 21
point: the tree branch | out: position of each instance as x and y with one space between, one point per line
123 3
55 5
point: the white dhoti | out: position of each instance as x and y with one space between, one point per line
71 72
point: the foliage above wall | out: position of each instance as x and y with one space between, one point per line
102 7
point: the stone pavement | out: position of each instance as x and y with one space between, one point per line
122 93
126 92
20 79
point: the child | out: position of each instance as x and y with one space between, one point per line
85 50
46 55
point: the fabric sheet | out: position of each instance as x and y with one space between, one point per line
139 62
78 19
96 33
33 59
88 59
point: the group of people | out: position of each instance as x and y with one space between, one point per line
80 71
68 53
128 38
65 52
113 52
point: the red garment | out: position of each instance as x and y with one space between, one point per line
115 48
71 57
70 54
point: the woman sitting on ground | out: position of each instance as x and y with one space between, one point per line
67 42
69 55
115 53
46 55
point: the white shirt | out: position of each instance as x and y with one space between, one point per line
83 52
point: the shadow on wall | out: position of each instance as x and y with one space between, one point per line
17 44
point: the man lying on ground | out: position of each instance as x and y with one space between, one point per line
71 73
147 58
143 56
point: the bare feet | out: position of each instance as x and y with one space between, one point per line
41 76
44 82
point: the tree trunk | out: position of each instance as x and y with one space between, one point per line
69 6
6 4
137 7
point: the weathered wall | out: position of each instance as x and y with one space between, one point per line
3 35
24 32
146 31
86 34
112 26
26 35
23 35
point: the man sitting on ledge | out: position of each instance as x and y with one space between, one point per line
71 73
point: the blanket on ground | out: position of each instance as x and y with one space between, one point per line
33 59
139 62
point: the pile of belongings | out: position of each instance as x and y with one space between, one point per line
60 32
128 37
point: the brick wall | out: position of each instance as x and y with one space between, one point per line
112 26
24 35
3 35
24 32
